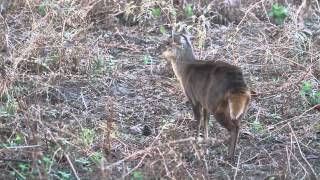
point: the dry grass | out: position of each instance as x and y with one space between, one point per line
85 93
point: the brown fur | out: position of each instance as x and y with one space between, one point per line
215 87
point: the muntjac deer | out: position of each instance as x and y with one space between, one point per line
215 86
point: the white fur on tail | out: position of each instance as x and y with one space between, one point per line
233 113
237 104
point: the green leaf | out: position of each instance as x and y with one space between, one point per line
42 9
64 175
23 167
163 29
156 12
18 139
47 162
257 127
96 158
82 161
306 87
137 175
188 10
10 107
87 136
146 59
278 13
307 92
173 12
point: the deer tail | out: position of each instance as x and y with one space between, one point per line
238 102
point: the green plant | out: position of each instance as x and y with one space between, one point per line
15 173
278 13
42 9
156 12
188 10
84 163
162 29
87 136
257 127
64 175
98 65
112 66
307 91
316 127
17 140
96 158
21 172
173 12
136 175
51 61
306 88
10 107
147 59
47 162
23 167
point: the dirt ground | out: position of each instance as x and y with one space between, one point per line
86 94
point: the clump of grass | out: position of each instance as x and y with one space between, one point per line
147 59
278 13
257 127
10 106
309 93
64 175
87 136
96 157
188 10
136 175
156 12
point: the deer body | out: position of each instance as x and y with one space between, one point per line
215 87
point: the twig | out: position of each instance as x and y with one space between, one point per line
288 160
250 159
54 154
15 160
164 163
301 78
237 168
245 15
296 117
301 153
22 147
58 129
72 167
136 167
118 32
16 171
190 139
296 158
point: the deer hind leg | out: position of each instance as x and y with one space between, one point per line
233 128
234 135
197 116
205 120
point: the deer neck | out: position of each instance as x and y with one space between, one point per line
180 65
183 59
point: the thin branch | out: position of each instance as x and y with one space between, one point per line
301 153
72 167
